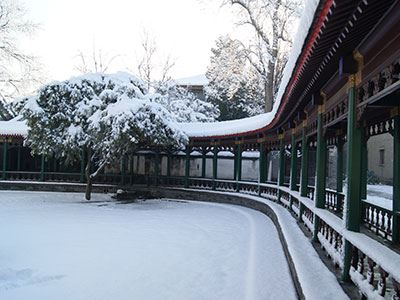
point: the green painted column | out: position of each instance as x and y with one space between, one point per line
122 165
304 163
396 180
19 157
215 166
293 164
203 163
235 149
5 150
156 168
131 169
320 174
262 164
54 163
281 173
353 209
82 170
123 169
339 165
238 158
239 163
346 261
187 167
321 162
168 164
353 202
42 166
364 166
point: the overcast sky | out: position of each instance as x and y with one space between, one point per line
186 29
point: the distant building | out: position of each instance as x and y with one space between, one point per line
194 84
380 157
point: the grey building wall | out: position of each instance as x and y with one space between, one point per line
381 145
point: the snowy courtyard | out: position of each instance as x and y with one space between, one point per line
58 246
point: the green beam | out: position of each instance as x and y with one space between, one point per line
339 165
293 164
396 179
304 164
5 150
262 164
187 167
353 203
321 162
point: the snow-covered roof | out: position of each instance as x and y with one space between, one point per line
193 80
260 121
14 127
228 127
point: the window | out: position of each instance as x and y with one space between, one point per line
381 156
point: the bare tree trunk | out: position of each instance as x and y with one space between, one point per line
91 176
270 84
268 94
88 176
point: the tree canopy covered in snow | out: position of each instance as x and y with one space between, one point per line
233 87
183 104
107 116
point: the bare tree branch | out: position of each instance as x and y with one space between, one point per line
272 22
96 62
18 70
150 64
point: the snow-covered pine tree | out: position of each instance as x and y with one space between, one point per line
106 116
232 87
183 104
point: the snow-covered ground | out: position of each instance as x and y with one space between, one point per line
56 246
380 195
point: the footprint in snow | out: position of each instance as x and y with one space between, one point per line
11 279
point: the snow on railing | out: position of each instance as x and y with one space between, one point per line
378 219
373 281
